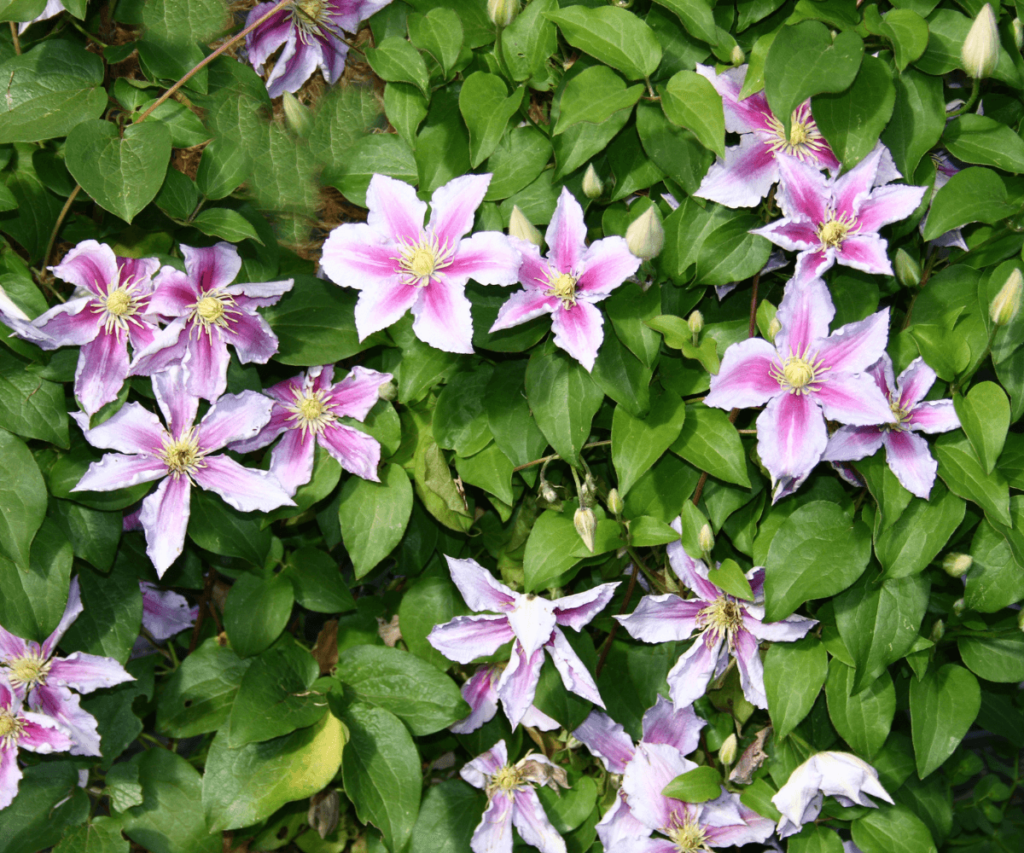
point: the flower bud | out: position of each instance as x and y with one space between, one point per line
706 539
588 490
727 751
1018 33
959 606
980 50
737 55
298 118
956 565
1007 301
1020 620
645 236
388 391
615 502
908 271
696 324
547 492
502 12
586 526
592 184
521 227
938 631
774 327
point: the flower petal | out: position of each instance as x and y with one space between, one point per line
357 452
494 832
744 380
102 369
358 255
477 771
487 257
523 306
575 675
662 618
291 462
533 621
853 443
566 234
652 768
118 471
132 429
466 638
174 293
213 267
748 661
744 177
741 116
86 673
784 631
805 313
453 208
165 612
252 338
911 461
164 518
620 832
677 727
791 436
383 305
854 398
10 647
71 324
888 204
804 192
856 346
178 406
234 417
693 573
65 708
89 265
72 610
333 53
606 264
865 252
41 735
294 66
245 489
575 611
692 673
914 383
479 588
529 818
607 740
578 331
853 188
259 294
10 775
443 317
934 416
358 392
518 684
167 349
206 364
395 210
794 235
268 36
482 698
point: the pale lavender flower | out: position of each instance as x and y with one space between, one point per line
398 264
306 409
512 801
481 694
827 774
209 313
836 220
34 674
50 10
727 626
750 168
805 376
164 612
534 625
180 456
906 452
569 282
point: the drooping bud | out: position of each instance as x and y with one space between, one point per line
298 117
586 527
696 324
521 227
737 55
727 751
615 502
956 565
908 271
959 606
646 236
502 12
1006 304
547 492
1018 33
588 490
938 631
592 184
706 539
388 391
980 51
774 327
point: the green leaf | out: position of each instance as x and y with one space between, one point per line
23 497
690 101
508 414
709 441
223 169
962 471
999 659
183 125
817 552
486 107
491 470
972 195
529 40
395 60
447 818
374 516
852 121
614 36
35 818
518 160
995 580
622 377
442 146
103 835
439 32
864 719
908 32
109 624
695 786
985 142
593 96
93 534
893 829
629 307
225 223
224 530
432 600
406 108
32 601
638 443
918 117
29 406
922 531
729 578
271 597
564 399
730 252
647 532
122 172
581 142
317 580
123 787
793 676
943 705
696 16
816 839
459 421
825 66
380 153
242 786
985 416
550 550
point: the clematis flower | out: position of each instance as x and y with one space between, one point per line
50 10
569 282
306 409
209 313
750 168
20 729
481 694
164 612
399 264
906 452
36 675
805 376
311 32
512 801
111 309
531 622
827 774
727 625
180 456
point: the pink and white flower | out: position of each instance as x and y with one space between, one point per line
805 376
750 168
906 452
306 409
165 612
398 264
481 694
569 282
210 312
532 622
180 456
836 220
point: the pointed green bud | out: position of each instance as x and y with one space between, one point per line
586 526
388 391
1020 620
521 227
980 51
706 539
502 12
298 118
908 271
959 606
646 236
1018 33
696 323
774 327
1006 304
592 184
956 565
727 751
737 55
615 502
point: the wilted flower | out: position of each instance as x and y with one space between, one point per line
980 50
481 694
645 235
164 612
1006 304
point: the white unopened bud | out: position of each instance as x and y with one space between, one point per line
1018 33
388 391
1005 306
502 12
646 236
956 565
592 184
737 55
586 527
615 502
547 492
980 51
696 323
521 227
774 327
959 606
727 751
706 539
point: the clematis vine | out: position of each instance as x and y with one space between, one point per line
906 452
569 282
827 774
306 410
180 456
836 220
209 313
312 35
532 622
110 310
805 376
749 169
398 264
512 800
35 674
165 612
728 626
481 694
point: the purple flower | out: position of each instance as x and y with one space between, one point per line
311 32
180 456
807 375
210 313
512 801
569 282
111 308
836 220
400 265
907 453
750 168
33 673
481 694
165 613
306 409
532 622
727 626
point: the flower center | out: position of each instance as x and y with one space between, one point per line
804 140
562 286
506 780
10 728
182 456
800 373
901 414
688 838
833 231
210 309
213 310
419 261
118 306
28 671
311 412
723 617
308 16
119 302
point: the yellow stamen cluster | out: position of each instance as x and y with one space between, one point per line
420 261
834 230
310 18
311 412
505 781
562 286
182 456
119 305
213 309
689 838
804 140
800 373
28 671
723 617
10 729
901 414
